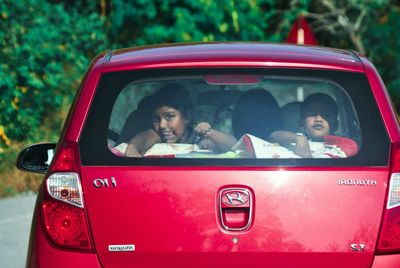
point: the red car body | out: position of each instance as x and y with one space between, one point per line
302 216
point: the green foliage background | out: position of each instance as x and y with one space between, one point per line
47 45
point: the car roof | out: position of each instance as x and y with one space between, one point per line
236 54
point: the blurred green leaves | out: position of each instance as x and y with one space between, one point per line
383 41
156 21
44 53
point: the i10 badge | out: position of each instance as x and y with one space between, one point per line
98 183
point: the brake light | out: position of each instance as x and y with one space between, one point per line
389 238
63 211
66 225
67 158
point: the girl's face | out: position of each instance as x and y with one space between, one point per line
170 124
316 117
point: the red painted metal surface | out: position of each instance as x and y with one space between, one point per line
233 54
82 102
167 213
386 261
303 217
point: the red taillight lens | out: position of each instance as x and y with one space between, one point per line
63 207
389 238
395 158
66 225
66 159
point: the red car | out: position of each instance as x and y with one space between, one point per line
222 155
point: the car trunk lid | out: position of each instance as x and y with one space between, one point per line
310 217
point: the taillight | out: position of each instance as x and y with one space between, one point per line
65 186
66 225
389 238
63 207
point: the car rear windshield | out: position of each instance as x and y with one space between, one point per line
267 117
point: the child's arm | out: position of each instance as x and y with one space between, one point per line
222 141
143 141
287 138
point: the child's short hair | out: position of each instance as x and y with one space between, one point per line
328 102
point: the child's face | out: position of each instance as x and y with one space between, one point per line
316 121
170 124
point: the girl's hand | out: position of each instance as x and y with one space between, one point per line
203 129
206 144
302 147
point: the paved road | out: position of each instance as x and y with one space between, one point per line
15 222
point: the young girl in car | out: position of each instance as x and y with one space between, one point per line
319 114
172 122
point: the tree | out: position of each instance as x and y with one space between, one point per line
369 27
43 58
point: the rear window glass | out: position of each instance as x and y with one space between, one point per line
268 117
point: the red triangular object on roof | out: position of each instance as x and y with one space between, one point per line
301 33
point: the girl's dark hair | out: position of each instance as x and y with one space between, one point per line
256 113
173 95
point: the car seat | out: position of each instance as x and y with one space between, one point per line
291 117
137 121
256 113
134 124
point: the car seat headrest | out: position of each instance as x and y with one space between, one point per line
291 117
256 113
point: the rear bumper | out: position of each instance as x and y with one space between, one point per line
42 254
386 261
